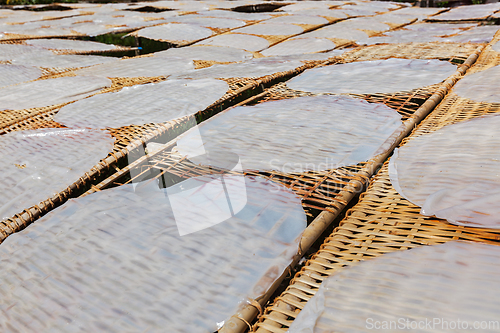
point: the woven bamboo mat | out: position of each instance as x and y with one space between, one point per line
381 222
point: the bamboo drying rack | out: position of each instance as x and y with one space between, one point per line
127 138
382 221
327 193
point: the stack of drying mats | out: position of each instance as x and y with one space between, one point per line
196 188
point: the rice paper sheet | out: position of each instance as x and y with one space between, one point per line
431 288
480 86
475 12
481 34
207 53
453 172
38 164
62 60
118 253
137 67
369 77
283 135
239 41
299 19
496 47
13 74
271 29
69 44
299 46
167 101
253 68
50 92
175 32
13 51
212 22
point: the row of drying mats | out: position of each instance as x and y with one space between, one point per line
381 222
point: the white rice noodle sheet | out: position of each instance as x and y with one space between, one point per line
62 60
239 41
468 12
253 68
38 164
13 74
453 172
299 46
207 53
175 32
283 135
68 44
441 285
167 101
50 92
480 86
150 278
271 29
377 76
137 67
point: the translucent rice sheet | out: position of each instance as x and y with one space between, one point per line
438 288
14 51
468 12
213 53
166 101
440 29
481 34
38 164
68 44
399 36
239 41
295 135
330 13
29 30
420 12
50 92
299 19
114 261
299 46
332 31
368 77
453 172
271 29
175 32
236 15
496 47
136 67
418 33
12 74
304 5
213 22
480 86
62 61
252 68
310 56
